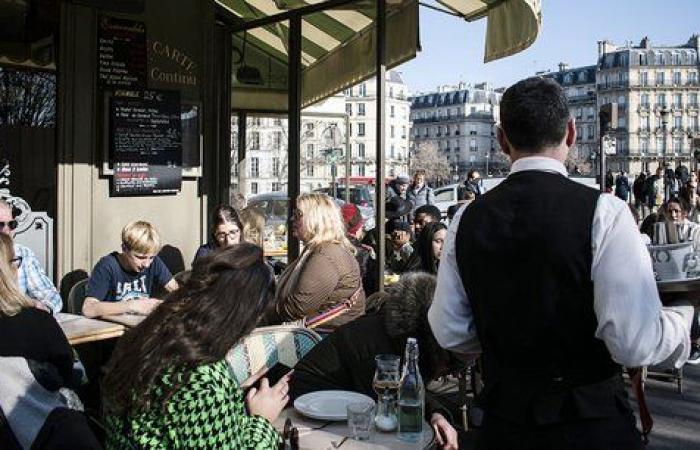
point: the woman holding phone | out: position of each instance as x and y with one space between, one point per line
168 384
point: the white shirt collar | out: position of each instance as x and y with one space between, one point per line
543 163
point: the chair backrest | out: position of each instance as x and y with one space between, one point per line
76 297
266 346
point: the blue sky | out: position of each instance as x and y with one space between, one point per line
453 50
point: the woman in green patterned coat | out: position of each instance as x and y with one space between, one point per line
168 385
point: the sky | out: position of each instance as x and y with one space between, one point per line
453 49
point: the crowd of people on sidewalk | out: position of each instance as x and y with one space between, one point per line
547 281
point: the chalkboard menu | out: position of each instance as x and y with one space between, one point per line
145 140
122 53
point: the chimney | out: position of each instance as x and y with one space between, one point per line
563 67
605 47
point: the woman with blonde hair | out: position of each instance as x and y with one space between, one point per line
253 222
35 361
324 285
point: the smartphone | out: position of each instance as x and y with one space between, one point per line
274 374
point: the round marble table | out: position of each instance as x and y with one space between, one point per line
320 435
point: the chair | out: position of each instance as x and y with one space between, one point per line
76 297
266 346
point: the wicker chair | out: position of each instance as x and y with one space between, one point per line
266 346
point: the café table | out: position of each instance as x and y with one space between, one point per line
320 435
128 320
79 329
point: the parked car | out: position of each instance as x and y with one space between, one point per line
445 197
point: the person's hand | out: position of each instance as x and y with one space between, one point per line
445 433
253 379
143 306
41 306
268 402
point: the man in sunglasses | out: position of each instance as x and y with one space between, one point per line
31 277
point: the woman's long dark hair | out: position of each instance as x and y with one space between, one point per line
219 304
424 246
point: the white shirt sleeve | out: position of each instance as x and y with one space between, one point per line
450 315
635 327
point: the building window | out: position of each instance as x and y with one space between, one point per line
659 78
579 133
676 145
363 90
391 131
677 101
254 187
309 170
457 131
309 129
360 129
677 122
692 78
275 166
391 93
644 79
391 111
254 167
254 140
361 169
235 169
360 109
275 187
472 145
693 100
278 122
590 132
472 129
309 151
645 123
644 145
360 150
579 113
661 100
392 152
676 78
645 100
403 131
659 144
348 109
694 123
277 139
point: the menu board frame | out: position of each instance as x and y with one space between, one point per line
107 168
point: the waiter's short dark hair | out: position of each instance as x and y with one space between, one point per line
534 114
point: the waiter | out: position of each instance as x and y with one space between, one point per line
550 281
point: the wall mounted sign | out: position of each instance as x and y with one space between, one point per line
145 142
122 53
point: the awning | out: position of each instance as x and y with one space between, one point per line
338 43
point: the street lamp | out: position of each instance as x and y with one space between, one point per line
664 123
333 142
487 163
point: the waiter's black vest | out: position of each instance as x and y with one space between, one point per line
524 255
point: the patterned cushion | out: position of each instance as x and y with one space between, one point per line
266 346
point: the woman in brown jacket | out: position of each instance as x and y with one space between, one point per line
324 284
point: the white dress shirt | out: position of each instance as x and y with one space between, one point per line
636 329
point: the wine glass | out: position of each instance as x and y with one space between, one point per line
386 385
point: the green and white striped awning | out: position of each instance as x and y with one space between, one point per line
338 44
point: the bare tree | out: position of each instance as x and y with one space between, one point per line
27 98
428 158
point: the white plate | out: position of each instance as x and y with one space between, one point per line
328 405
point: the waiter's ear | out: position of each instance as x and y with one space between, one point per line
502 140
570 132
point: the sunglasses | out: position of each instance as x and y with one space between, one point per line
16 262
12 224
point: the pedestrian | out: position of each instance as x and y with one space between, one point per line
398 187
655 189
576 306
622 187
474 183
419 193
638 191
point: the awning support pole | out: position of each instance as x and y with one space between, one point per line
294 138
380 189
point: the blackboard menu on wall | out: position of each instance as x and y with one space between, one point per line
145 140
122 53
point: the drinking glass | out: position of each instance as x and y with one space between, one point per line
386 385
360 420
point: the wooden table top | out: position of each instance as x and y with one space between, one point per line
317 434
128 320
80 329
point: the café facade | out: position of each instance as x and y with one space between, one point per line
114 111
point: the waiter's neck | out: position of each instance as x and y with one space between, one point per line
558 153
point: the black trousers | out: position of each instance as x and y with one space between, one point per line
613 433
